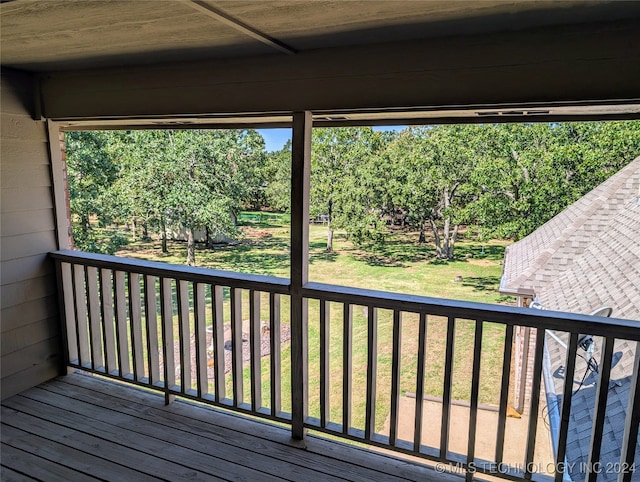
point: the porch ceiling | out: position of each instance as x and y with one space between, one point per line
58 35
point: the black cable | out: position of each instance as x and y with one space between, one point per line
592 365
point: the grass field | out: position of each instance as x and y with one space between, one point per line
400 265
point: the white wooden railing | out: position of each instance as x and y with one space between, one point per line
163 326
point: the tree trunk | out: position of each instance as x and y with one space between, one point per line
446 252
329 230
191 247
449 240
445 236
452 242
436 239
422 238
145 232
133 228
84 222
163 228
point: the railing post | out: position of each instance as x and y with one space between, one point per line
300 172
62 310
632 422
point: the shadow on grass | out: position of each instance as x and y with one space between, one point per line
248 259
478 251
482 283
265 243
400 253
317 245
265 224
323 256
254 256
263 220
394 253
440 261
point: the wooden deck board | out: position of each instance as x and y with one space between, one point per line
107 453
182 445
81 427
240 448
22 461
257 437
9 475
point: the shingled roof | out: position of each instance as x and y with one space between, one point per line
584 388
588 255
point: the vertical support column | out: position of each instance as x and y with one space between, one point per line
59 185
597 428
300 173
58 175
395 380
504 393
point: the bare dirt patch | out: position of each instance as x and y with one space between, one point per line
265 349
481 262
255 233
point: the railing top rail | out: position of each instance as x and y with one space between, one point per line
550 320
509 315
188 273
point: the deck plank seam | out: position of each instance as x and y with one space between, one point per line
143 409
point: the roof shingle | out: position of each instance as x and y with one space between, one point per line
588 255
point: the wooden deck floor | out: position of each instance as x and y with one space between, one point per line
80 427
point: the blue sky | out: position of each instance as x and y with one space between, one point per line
275 139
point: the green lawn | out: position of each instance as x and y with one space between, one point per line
400 265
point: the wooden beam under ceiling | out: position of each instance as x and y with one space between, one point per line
588 65
221 16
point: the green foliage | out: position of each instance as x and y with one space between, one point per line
277 177
101 240
91 172
500 180
427 174
528 173
344 186
185 179
505 179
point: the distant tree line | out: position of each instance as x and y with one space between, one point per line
502 180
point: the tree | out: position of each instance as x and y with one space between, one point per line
428 171
190 179
277 176
528 173
591 152
249 160
141 189
515 178
216 183
340 186
91 172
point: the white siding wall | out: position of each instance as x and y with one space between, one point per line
30 335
